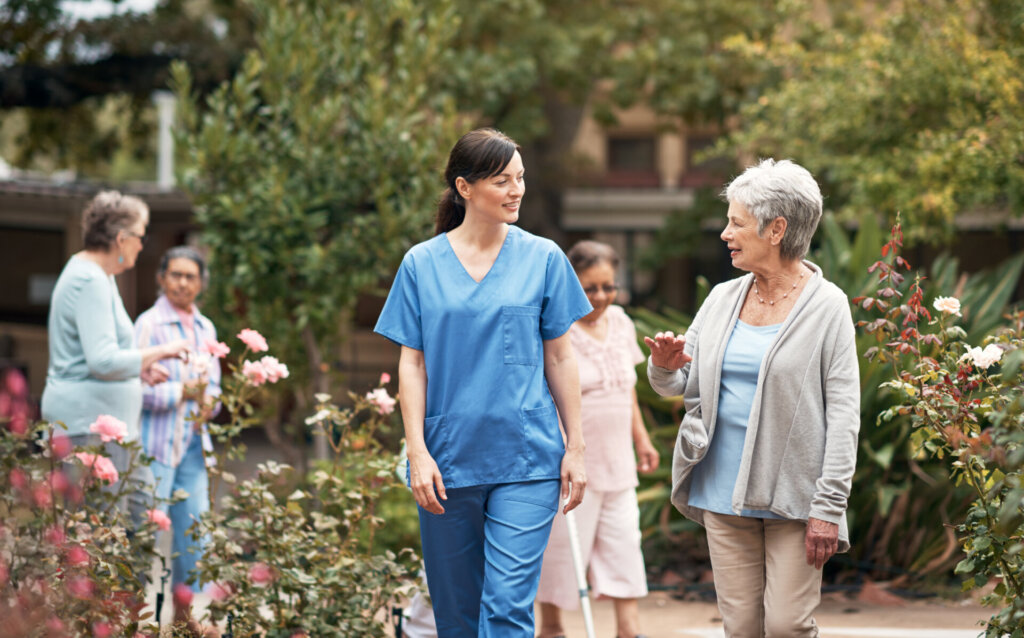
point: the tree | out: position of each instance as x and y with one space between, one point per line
916 107
317 166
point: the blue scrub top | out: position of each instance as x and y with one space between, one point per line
489 415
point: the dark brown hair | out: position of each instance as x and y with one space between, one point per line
585 254
107 214
479 154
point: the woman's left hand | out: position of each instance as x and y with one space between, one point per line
821 541
647 456
574 478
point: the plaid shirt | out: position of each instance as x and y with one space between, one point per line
166 430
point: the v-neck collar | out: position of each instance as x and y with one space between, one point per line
494 265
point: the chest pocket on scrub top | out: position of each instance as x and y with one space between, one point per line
520 328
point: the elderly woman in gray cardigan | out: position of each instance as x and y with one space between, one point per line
768 373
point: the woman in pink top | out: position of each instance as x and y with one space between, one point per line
608 520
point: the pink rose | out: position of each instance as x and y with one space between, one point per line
61 446
55 625
382 400
15 382
217 349
102 467
102 630
77 556
18 478
55 536
159 518
275 369
18 424
41 495
218 591
261 574
385 378
109 428
253 340
79 587
254 372
58 481
182 595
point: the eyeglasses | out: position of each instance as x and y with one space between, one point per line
142 238
608 289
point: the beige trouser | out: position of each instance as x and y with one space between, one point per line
764 585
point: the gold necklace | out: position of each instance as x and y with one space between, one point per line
771 302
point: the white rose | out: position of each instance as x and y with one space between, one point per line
948 305
983 358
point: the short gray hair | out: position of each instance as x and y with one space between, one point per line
107 214
780 189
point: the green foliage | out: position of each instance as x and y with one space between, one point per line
70 561
288 562
914 107
965 412
316 166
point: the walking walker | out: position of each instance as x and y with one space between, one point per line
581 574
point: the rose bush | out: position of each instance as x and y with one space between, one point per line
966 404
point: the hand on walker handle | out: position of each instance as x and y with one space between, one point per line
667 350
424 479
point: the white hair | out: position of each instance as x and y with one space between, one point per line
780 189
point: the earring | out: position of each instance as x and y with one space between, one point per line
120 259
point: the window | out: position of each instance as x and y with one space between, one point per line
632 161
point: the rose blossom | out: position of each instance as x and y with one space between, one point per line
275 369
18 478
254 372
16 384
182 595
77 556
382 400
101 630
217 349
55 535
109 428
18 424
261 574
218 591
102 467
159 518
61 446
984 358
41 495
385 378
58 481
79 587
253 340
948 305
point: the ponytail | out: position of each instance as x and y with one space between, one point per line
450 211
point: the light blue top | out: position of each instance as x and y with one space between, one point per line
714 478
94 365
489 415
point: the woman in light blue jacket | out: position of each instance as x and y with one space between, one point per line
95 367
768 372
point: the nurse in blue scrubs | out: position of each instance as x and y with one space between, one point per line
482 312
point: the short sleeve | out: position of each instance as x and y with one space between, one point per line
400 320
636 356
564 299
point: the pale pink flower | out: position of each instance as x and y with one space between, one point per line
261 574
18 424
18 479
948 305
55 535
77 556
79 587
217 349
182 595
41 495
55 625
385 378
58 481
109 428
15 382
382 400
102 467
218 591
61 446
254 372
983 358
275 369
101 629
253 340
159 518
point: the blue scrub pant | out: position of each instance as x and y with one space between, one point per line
483 557
190 475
